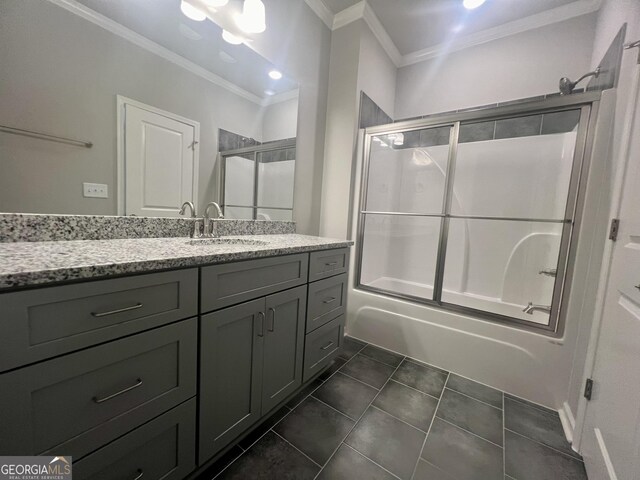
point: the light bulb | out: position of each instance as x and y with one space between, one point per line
252 19
229 37
275 74
471 4
216 3
194 13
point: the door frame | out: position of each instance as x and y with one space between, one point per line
121 103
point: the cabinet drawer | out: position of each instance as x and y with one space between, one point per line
81 401
321 346
161 449
328 263
232 283
327 300
44 323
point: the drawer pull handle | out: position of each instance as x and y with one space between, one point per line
330 300
261 317
330 264
140 475
326 347
273 319
117 394
120 310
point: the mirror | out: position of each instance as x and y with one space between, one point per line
127 107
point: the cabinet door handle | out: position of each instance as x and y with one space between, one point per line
261 317
119 310
140 475
326 347
117 394
330 264
329 300
273 319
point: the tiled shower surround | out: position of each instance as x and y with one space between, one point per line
378 415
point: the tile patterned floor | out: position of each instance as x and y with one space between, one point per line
378 415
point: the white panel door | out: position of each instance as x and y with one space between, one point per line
611 433
160 162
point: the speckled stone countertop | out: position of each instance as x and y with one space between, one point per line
24 264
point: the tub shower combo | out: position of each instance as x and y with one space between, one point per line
477 211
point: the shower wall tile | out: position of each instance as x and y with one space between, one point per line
560 122
371 114
291 153
230 141
519 127
476 132
434 136
411 140
610 64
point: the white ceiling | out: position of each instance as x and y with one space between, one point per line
162 22
413 30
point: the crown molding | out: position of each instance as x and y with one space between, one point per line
117 29
542 19
362 10
280 97
349 15
321 10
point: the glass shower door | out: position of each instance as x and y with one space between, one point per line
403 210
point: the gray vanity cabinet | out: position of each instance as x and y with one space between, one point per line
250 360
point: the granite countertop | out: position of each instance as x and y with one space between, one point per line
24 264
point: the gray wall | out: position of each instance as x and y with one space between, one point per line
61 74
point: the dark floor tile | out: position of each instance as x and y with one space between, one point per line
428 365
476 390
343 393
426 379
333 368
518 126
350 346
409 405
304 393
223 462
367 370
426 471
461 454
537 424
315 428
531 404
387 441
528 460
471 415
347 464
263 428
382 355
270 458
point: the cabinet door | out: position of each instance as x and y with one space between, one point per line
231 352
283 345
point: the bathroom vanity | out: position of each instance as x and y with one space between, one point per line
151 357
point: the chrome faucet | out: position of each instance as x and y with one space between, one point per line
210 227
195 233
530 308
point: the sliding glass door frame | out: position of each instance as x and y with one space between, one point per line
588 104
245 152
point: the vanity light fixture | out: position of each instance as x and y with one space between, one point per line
194 13
471 4
229 37
252 19
216 3
275 74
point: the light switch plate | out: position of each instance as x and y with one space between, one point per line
95 190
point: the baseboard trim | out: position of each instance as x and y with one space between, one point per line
568 421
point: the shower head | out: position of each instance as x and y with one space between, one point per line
566 85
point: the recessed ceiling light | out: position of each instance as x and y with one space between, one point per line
275 74
194 13
231 38
216 3
269 92
471 4
252 19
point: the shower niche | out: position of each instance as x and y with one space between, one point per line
476 212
